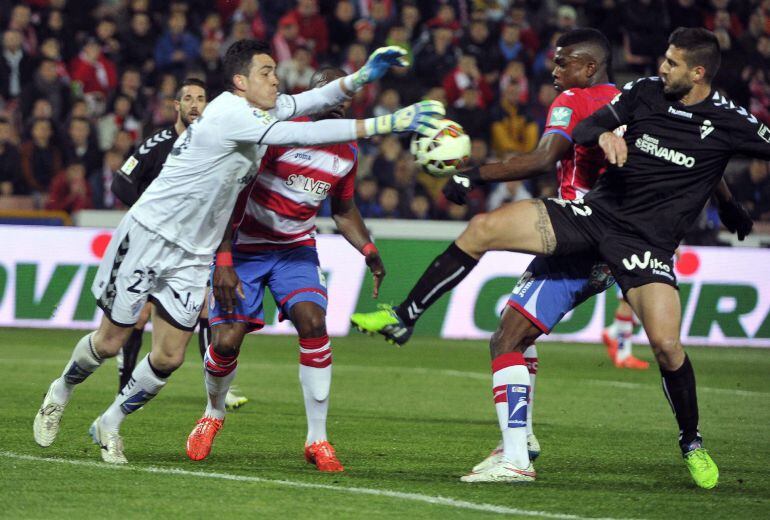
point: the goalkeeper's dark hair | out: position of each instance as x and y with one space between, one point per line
701 49
190 82
238 59
600 46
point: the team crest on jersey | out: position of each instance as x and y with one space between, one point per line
705 129
560 116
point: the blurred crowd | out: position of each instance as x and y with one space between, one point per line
83 81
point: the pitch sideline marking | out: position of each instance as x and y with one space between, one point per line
414 497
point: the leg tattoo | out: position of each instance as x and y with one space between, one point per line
543 225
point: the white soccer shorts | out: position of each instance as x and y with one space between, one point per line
139 265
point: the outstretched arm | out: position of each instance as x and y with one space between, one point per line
348 219
323 98
420 117
541 160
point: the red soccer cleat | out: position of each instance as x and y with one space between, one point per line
611 344
632 363
322 455
202 437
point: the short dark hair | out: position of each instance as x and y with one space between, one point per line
701 48
190 82
238 58
590 37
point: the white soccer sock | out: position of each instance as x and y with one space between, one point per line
510 389
625 327
83 362
530 358
219 373
315 376
143 386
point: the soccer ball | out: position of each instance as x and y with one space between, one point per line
443 151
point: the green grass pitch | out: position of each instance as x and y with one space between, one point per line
406 424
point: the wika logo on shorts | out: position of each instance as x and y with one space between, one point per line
657 267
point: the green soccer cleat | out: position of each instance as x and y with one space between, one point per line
384 321
234 400
703 469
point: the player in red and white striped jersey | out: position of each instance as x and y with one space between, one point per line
272 242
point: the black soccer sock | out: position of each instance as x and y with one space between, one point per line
679 387
130 353
447 270
204 336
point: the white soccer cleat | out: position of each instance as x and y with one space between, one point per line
111 443
493 458
533 447
501 471
47 420
233 400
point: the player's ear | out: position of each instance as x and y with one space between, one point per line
698 73
176 106
239 81
590 69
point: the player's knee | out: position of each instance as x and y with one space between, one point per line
108 343
479 229
310 320
227 343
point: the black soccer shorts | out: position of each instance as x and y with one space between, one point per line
633 260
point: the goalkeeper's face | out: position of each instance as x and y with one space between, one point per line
260 87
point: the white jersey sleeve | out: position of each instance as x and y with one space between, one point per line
312 101
260 127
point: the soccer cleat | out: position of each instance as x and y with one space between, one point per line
111 443
633 363
46 424
202 437
501 471
611 344
493 458
322 454
702 468
533 447
384 321
233 400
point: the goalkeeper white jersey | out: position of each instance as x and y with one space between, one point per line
190 202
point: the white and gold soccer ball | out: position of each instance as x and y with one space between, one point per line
443 151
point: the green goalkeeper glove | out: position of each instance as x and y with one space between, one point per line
376 66
422 117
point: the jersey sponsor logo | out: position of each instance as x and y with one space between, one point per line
651 145
560 116
764 133
308 184
129 165
705 129
682 113
655 265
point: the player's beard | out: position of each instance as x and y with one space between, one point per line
676 91
189 118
